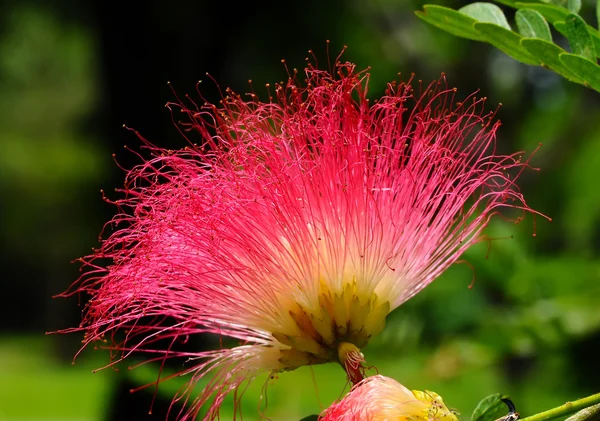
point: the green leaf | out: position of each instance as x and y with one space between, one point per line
562 28
585 69
310 418
450 21
532 24
551 12
506 41
486 12
489 408
548 53
574 6
598 13
510 3
579 37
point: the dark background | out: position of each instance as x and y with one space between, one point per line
72 73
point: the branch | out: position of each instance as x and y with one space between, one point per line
566 409
588 414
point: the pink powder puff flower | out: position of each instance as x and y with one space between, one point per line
381 398
294 227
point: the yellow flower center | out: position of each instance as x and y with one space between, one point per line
334 329
435 409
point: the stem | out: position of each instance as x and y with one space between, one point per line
588 414
566 409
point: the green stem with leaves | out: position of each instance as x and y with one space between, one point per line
566 409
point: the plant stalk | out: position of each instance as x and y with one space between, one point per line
588 414
566 409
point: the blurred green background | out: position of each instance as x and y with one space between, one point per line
71 73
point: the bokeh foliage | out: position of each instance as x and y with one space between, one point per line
531 43
530 325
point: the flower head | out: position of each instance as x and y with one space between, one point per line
296 225
381 398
